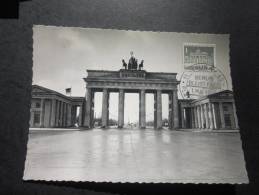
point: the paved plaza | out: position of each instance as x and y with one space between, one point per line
132 155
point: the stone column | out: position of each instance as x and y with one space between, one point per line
193 117
222 119
170 114
67 105
214 116
121 109
87 109
105 108
202 116
199 116
53 113
211 117
69 114
175 110
196 117
64 114
235 115
155 110
108 109
159 110
92 110
183 116
42 114
142 109
80 117
57 113
206 116
61 113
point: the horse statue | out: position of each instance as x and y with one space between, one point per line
140 66
124 64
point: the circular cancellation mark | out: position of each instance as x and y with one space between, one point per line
197 83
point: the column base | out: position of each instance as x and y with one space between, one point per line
120 127
142 127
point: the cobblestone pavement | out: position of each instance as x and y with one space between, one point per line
135 156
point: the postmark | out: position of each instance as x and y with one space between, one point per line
201 76
195 84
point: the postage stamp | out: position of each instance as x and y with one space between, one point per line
201 77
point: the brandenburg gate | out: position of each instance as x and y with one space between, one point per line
131 79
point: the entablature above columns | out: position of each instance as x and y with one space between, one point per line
56 97
133 85
205 101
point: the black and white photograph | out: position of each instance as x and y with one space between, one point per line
132 106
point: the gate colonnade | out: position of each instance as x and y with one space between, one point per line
131 81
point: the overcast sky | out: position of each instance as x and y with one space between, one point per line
61 56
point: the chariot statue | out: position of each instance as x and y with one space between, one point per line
133 63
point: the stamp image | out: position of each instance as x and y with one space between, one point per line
199 56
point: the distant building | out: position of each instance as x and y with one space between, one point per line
52 109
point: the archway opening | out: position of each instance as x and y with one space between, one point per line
113 109
131 110
149 110
165 110
97 109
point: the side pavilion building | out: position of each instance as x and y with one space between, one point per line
214 111
50 108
